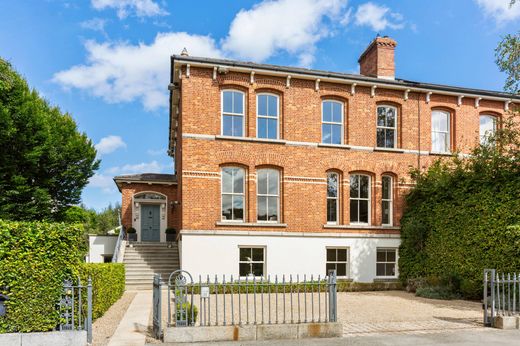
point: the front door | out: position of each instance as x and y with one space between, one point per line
150 223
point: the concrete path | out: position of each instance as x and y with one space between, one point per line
132 329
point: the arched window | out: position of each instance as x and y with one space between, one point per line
387 200
440 131
268 195
233 187
332 197
232 113
331 122
149 195
267 110
386 126
359 199
488 126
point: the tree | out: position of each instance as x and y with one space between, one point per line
507 56
45 162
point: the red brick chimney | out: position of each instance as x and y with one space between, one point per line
378 59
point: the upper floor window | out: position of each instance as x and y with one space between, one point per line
267 116
233 184
268 195
332 122
488 125
440 131
332 197
233 113
387 200
359 198
386 127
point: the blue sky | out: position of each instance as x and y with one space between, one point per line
107 61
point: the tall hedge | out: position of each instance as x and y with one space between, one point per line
463 216
108 284
35 257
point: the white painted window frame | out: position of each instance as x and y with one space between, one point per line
369 199
347 263
267 195
395 263
323 122
388 127
447 132
390 200
222 193
222 113
277 117
333 198
264 267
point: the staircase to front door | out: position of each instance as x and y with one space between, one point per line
144 259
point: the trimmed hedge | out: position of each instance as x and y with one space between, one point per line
35 258
108 284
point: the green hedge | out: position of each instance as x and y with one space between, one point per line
108 284
35 257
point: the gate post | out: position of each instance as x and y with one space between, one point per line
333 301
89 311
488 303
157 315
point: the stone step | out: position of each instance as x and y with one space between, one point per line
152 254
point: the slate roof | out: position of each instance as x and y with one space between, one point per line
157 178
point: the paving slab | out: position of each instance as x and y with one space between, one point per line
133 328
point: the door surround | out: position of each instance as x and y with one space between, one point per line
153 198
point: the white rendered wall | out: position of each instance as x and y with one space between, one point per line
100 245
210 254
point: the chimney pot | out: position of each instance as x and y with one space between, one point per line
378 59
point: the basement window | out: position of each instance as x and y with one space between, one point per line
386 263
251 261
337 259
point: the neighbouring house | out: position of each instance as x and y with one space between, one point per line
284 170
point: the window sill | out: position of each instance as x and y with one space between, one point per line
330 226
252 139
337 146
437 153
390 150
252 224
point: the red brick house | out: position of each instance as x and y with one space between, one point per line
284 170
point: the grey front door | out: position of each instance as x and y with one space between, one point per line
150 223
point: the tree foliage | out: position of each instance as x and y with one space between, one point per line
463 215
507 56
94 222
44 160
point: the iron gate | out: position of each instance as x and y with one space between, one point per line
75 307
501 296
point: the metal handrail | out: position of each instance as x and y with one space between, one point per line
120 238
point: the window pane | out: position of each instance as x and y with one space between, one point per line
237 126
341 269
342 255
244 269
381 116
332 185
227 179
390 269
262 208
238 102
390 139
336 112
363 182
245 254
238 208
262 104
437 142
327 111
363 211
487 127
258 269
332 210
329 267
354 186
386 213
380 269
390 256
440 121
390 117
273 106
272 131
238 175
331 255
387 182
226 207
262 128
258 254
381 255
326 133
381 138
273 182
227 125
262 181
228 101
272 208
354 211
336 134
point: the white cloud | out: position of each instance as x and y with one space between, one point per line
124 8
377 17
156 152
294 26
96 24
143 167
500 10
103 182
122 72
109 144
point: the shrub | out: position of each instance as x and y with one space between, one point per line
108 284
131 230
437 292
186 312
170 230
35 258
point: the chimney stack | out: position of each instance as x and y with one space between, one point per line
378 59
